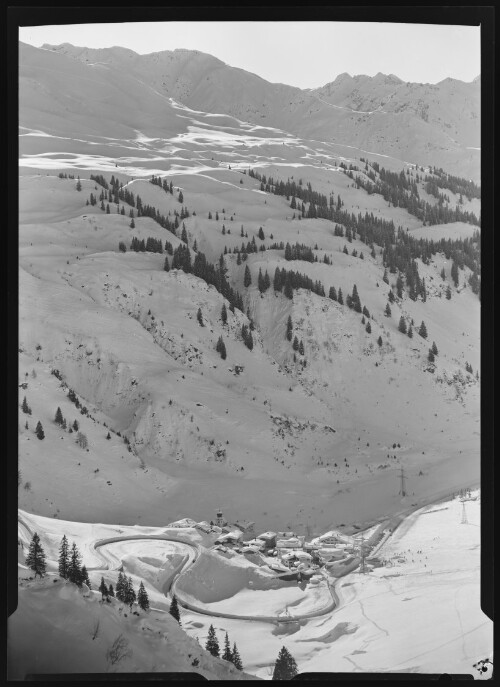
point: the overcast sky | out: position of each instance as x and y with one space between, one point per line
304 54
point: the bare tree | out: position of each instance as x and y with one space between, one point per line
81 440
118 650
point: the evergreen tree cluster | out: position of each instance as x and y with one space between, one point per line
299 252
400 248
70 564
230 655
211 274
59 419
454 184
151 245
117 192
167 187
400 191
353 301
288 280
124 590
100 180
246 335
263 281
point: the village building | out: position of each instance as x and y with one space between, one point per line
246 526
290 543
269 538
257 543
203 527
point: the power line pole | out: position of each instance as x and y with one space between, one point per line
464 514
402 490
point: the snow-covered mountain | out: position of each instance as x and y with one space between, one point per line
307 426
422 123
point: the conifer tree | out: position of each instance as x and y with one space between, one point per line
166 265
448 293
212 644
368 328
199 317
340 297
402 325
443 274
78 185
103 589
142 597
387 310
236 659
132 223
356 303
430 356
301 347
76 426
130 595
434 348
84 577
410 332
59 417
423 330
379 341
174 609
223 314
227 654
332 293
285 667
247 280
221 348
74 566
25 407
111 591
39 431
35 560
64 558
261 234
295 344
289 328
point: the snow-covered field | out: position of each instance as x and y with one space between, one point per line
420 612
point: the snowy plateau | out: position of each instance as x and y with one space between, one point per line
292 465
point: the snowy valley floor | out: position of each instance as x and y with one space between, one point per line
417 612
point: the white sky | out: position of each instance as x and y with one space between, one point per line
304 54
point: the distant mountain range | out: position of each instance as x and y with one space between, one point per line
436 124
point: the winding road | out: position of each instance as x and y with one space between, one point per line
189 561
